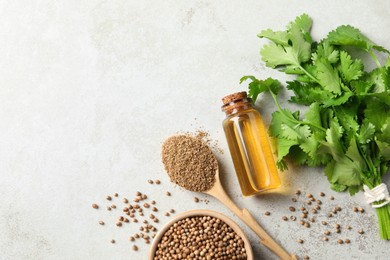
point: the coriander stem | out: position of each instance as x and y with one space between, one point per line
309 75
375 59
294 120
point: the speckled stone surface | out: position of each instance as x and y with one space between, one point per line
90 89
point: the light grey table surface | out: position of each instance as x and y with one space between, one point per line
90 89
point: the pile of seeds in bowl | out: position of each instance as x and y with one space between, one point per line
141 211
200 237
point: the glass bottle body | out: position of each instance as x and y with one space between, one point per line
251 151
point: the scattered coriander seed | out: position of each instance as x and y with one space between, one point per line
168 193
125 209
125 200
131 215
329 215
293 218
153 202
167 214
95 206
322 194
141 228
304 215
138 193
136 206
319 202
131 238
150 181
118 224
152 216
347 241
312 199
325 238
300 241
121 218
340 241
144 196
284 218
324 223
126 220
147 241
314 211
112 241
154 209
136 235
305 212
294 200
327 232
361 231
196 199
338 208
306 257
135 248
302 222
101 222
155 220
298 192
157 181
307 224
348 227
331 198
108 208
317 207
361 210
135 220
136 200
337 226
303 208
309 195
292 209
113 206
355 209
116 194
312 219
154 235
172 211
338 231
145 221
146 205
308 202
108 198
267 213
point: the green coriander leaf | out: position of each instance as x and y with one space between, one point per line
366 132
308 93
339 100
345 172
296 132
301 47
284 146
350 70
338 187
354 189
257 87
280 118
384 149
303 23
333 144
310 146
326 51
276 55
313 114
328 76
347 35
298 156
376 112
375 77
278 37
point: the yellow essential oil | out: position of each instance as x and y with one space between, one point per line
249 145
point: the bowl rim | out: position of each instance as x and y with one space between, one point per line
201 212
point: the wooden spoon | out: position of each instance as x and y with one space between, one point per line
219 193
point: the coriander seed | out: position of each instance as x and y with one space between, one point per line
95 206
135 248
196 199
125 200
325 238
108 198
157 181
284 218
267 213
340 241
322 194
150 181
292 209
347 241
101 223
300 241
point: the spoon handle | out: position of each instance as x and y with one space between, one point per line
219 193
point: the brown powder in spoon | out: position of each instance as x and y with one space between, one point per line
189 162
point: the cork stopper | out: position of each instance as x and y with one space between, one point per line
234 97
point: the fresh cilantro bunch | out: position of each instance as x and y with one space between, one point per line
347 125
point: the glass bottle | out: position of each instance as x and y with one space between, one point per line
249 145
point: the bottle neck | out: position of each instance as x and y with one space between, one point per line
236 106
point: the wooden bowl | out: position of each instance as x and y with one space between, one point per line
193 213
